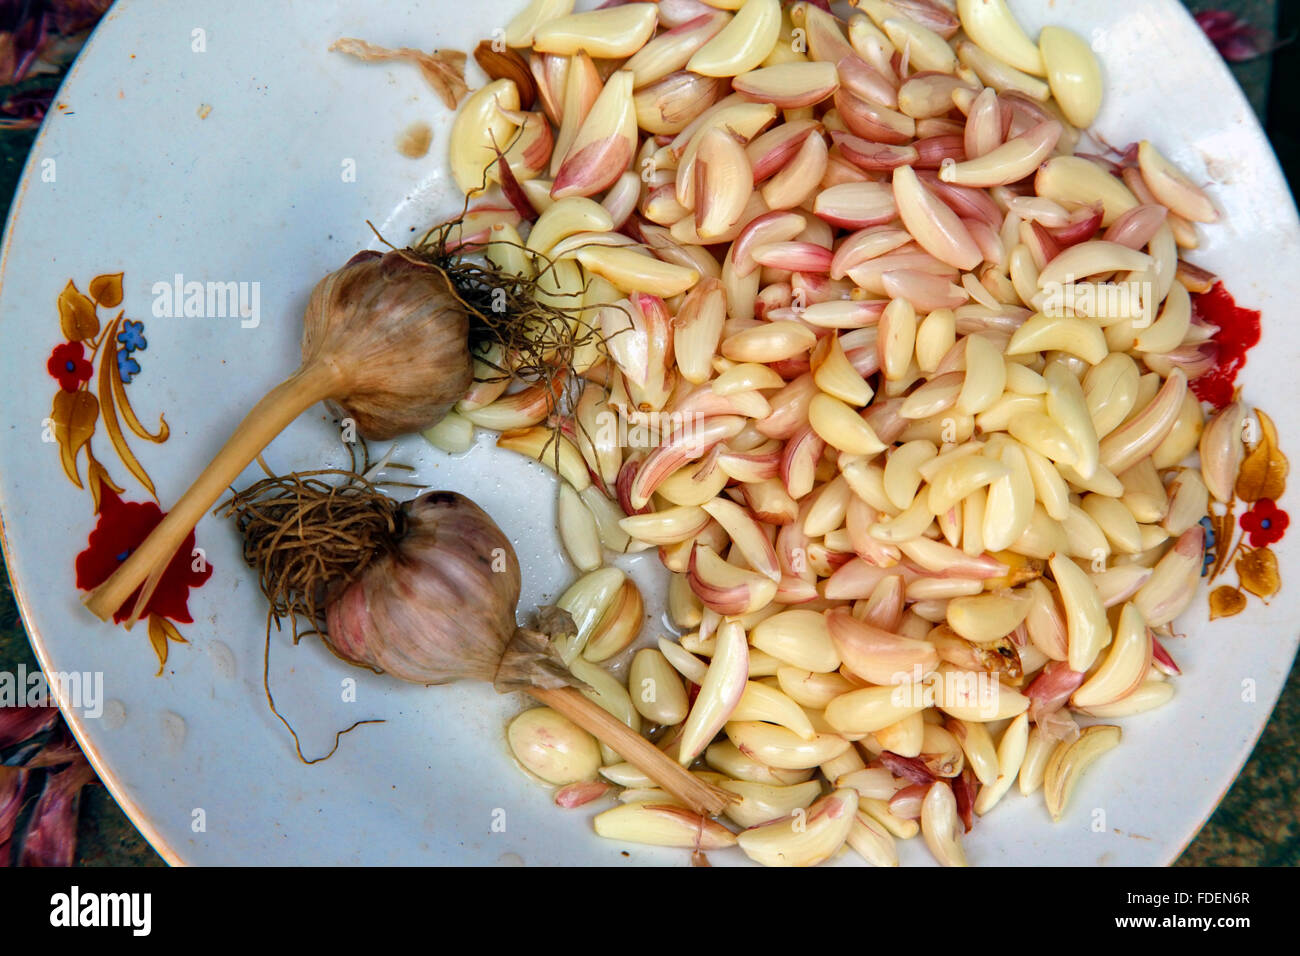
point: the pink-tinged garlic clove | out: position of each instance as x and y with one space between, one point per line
803 838
874 157
603 145
873 122
797 180
783 749
671 50
1172 188
936 227
1076 181
1143 433
720 692
822 31
789 86
726 588
876 655
1172 585
857 205
747 535
802 257
1222 450
1008 163
669 105
770 502
927 95
798 468
582 87
772 150
866 82
723 183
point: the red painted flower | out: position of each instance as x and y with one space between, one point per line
1265 522
68 365
122 526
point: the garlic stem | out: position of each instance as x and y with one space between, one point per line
270 416
701 797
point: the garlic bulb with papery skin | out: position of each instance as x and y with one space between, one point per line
440 606
392 322
384 338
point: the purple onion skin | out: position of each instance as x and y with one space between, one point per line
51 838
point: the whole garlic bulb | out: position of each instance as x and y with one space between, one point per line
400 337
440 606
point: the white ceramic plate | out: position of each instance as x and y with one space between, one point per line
211 141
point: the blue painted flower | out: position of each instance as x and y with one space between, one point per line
1211 541
127 367
132 337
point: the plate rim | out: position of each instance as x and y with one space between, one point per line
136 813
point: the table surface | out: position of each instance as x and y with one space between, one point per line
1257 823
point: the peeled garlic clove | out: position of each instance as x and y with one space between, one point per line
871 841
720 692
789 85
479 128
609 33
656 690
726 588
578 531
937 228
1125 665
662 824
806 838
742 44
604 144
1222 450
1172 188
1073 74
763 802
784 749
552 747
619 626
1069 760
992 25
940 826
520 31
1074 181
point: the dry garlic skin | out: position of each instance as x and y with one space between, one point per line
552 747
439 607
398 338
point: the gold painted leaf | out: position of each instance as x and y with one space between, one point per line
132 421
74 416
96 474
1224 526
107 373
1226 601
158 638
1258 572
77 315
107 290
1263 473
